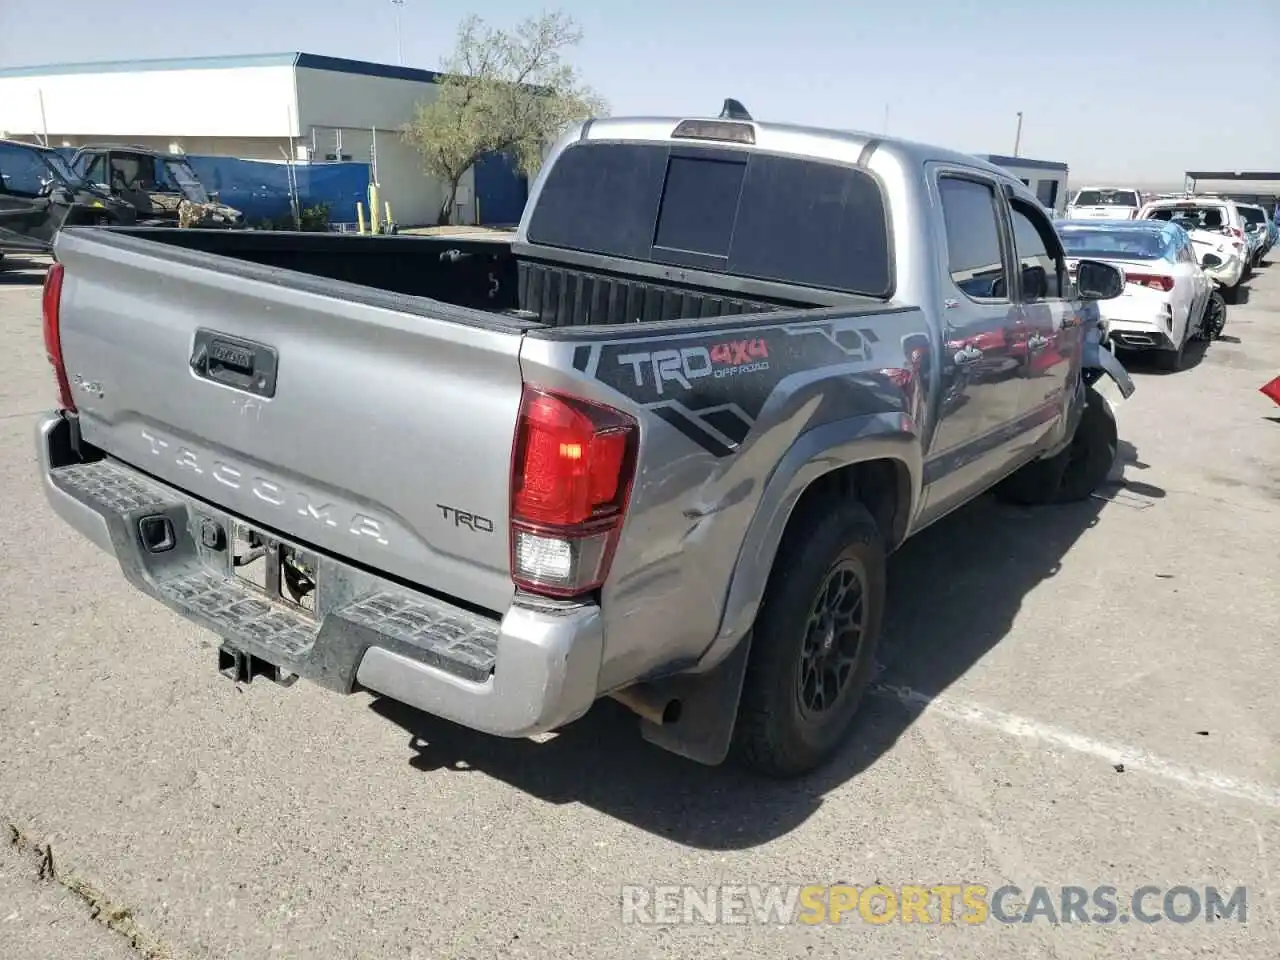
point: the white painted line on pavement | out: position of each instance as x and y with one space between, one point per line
1133 758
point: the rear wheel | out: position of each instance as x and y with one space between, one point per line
813 644
1215 317
1077 471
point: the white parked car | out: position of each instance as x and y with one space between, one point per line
1168 299
1104 203
1256 230
1216 227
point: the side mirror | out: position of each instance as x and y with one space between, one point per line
1211 260
1096 280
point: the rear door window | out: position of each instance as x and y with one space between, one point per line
746 214
974 257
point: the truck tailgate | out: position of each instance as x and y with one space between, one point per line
373 426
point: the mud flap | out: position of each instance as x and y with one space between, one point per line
1098 357
708 709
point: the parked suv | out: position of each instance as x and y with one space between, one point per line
1104 203
1257 227
1217 229
40 194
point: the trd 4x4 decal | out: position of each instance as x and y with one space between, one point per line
712 388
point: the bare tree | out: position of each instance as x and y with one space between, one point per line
503 92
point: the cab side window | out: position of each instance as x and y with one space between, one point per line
126 171
1042 270
22 172
96 172
974 257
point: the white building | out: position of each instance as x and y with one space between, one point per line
1046 178
261 107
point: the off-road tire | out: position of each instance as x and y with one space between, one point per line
775 735
1077 471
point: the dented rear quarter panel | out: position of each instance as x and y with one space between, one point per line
724 412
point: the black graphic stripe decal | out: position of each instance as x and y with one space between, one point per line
693 431
711 385
727 423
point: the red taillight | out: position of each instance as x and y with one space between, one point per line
1152 281
50 304
1272 390
571 471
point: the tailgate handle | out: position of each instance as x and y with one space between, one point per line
235 362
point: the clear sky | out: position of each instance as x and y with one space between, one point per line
1139 90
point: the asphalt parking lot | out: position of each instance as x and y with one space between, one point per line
1076 696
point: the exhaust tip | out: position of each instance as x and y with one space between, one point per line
644 703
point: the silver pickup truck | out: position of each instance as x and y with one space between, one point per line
655 447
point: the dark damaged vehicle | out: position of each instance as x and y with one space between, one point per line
163 187
657 447
40 194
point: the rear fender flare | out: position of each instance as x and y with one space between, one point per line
890 436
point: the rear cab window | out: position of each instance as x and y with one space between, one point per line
1193 215
747 214
1106 198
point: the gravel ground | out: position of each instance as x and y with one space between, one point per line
1077 696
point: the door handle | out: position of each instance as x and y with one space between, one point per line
968 355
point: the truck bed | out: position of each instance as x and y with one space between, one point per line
477 274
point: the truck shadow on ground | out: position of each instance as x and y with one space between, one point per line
954 592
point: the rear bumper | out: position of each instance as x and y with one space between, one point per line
1134 336
532 671
1135 324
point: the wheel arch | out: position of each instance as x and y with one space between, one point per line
877 459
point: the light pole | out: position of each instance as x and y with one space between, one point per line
399 5
1017 137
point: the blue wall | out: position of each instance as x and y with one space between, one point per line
260 189
501 190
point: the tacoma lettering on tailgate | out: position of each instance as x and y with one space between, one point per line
269 491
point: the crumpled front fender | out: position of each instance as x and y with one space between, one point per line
1098 357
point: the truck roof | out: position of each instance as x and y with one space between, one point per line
28 145
132 148
819 142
